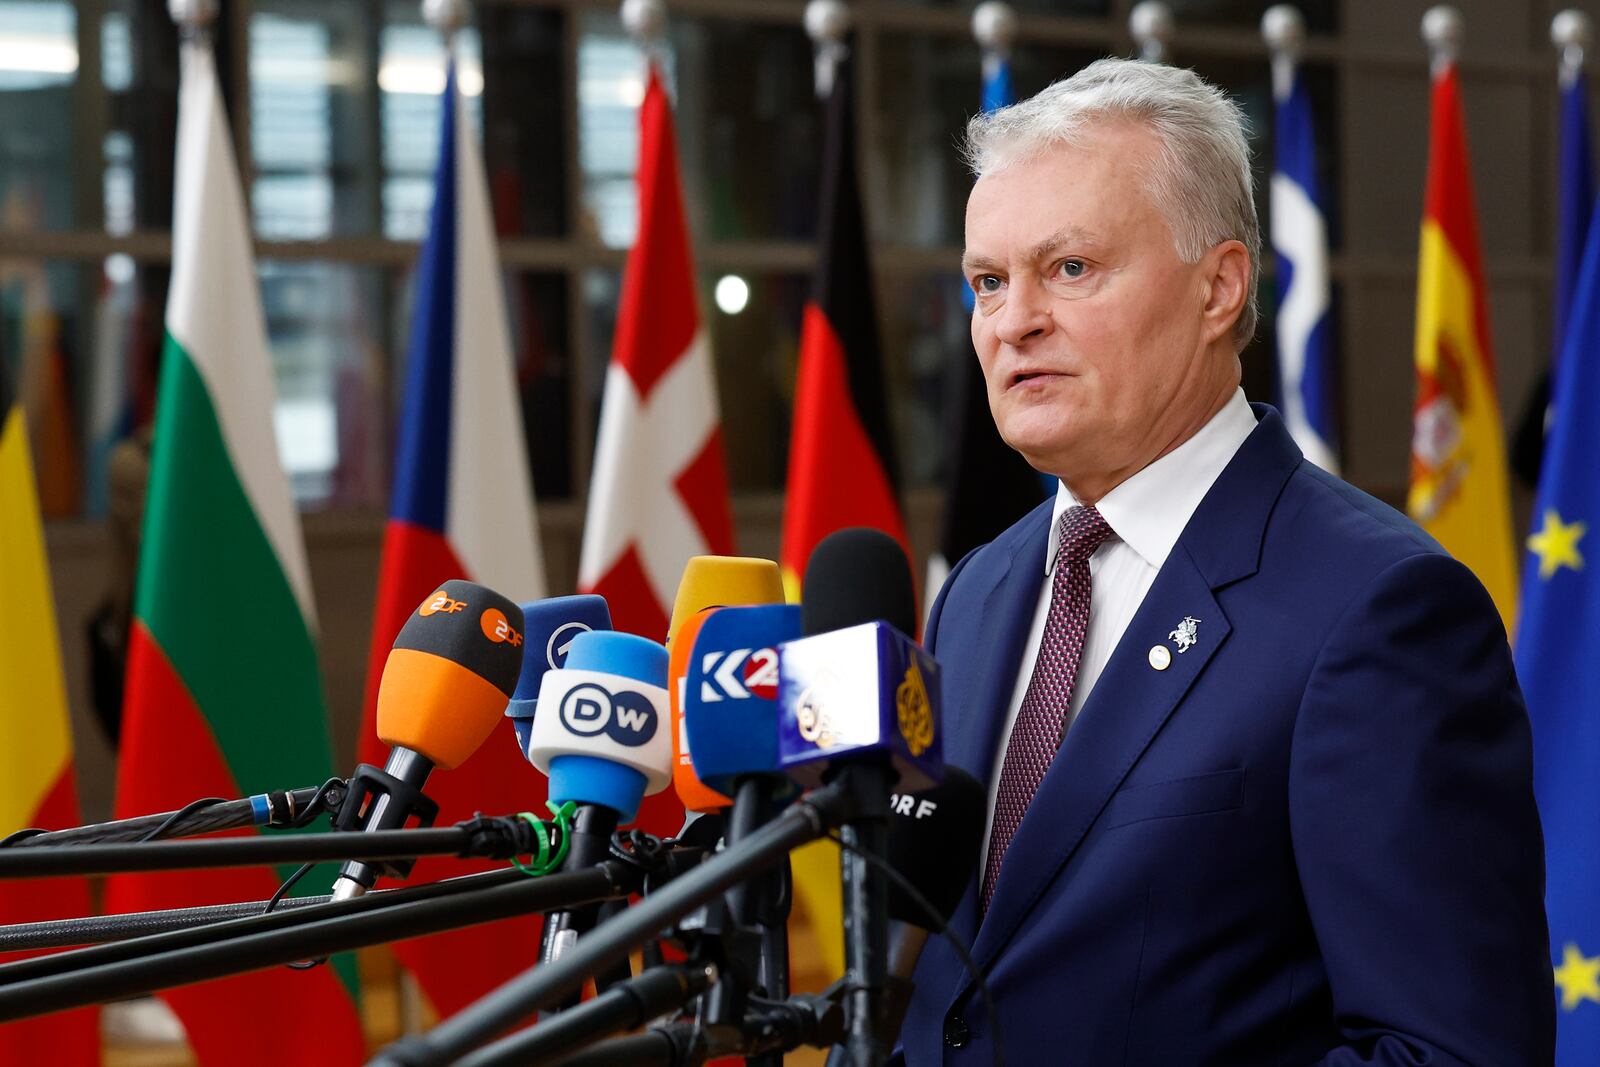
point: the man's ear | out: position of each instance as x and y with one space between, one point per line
1228 275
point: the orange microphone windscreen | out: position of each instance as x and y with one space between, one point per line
451 672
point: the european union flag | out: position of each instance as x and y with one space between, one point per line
1559 665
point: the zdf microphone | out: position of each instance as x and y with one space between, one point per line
444 686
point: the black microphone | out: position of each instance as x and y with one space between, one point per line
444 688
933 843
859 707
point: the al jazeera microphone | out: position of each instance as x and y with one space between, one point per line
859 707
708 582
444 686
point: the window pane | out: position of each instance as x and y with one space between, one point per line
925 328
928 88
754 350
747 122
523 119
38 80
411 74
536 307
325 333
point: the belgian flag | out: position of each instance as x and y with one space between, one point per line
841 455
36 781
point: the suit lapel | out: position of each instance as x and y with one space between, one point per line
1130 703
973 736
1132 700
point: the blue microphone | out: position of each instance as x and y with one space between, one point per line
850 693
730 719
603 733
730 693
550 626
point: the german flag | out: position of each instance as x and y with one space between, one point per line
841 457
36 781
1460 490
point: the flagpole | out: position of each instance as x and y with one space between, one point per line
646 23
1443 29
195 18
1152 25
994 27
828 24
446 17
1284 31
1571 32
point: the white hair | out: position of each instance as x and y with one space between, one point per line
1200 178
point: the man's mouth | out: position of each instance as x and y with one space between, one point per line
1026 376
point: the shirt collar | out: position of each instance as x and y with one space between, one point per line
1149 510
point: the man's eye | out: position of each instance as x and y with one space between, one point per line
1073 268
987 284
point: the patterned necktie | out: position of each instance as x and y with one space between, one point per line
1038 730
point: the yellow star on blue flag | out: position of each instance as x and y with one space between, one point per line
1556 544
1578 978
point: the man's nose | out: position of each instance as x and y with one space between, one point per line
1025 315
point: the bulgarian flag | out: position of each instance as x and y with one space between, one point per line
841 462
36 785
1459 484
224 697
461 507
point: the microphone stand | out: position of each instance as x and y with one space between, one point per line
313 937
538 988
622 1007
866 908
497 838
189 929
291 807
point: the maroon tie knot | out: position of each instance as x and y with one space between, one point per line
1083 530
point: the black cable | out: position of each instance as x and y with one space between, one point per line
181 814
942 927
316 805
22 835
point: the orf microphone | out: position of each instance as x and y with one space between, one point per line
934 839
444 687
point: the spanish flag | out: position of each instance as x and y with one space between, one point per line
36 783
1459 488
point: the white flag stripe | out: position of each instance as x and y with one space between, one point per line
1299 235
214 312
489 518
639 454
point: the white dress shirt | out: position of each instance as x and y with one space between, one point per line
1148 512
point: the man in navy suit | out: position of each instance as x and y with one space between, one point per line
1259 769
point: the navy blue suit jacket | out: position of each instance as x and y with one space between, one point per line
1310 840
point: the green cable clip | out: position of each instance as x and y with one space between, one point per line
543 861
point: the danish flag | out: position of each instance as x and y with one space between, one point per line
659 492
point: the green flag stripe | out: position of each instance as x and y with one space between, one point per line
213 595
